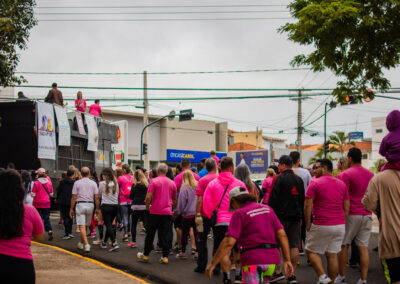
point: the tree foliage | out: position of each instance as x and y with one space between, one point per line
319 155
16 20
338 141
355 39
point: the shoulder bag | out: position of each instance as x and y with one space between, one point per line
213 219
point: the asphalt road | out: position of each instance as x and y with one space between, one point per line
181 271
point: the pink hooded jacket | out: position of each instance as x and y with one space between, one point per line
125 183
213 195
40 197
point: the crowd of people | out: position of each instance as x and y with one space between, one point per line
257 232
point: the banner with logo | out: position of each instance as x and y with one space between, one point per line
174 155
46 131
64 131
79 122
93 133
257 161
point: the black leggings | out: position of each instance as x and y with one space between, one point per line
16 270
136 216
109 212
188 223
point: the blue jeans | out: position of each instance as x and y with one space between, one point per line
125 214
45 214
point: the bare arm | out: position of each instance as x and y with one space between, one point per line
73 201
38 238
346 208
174 202
224 248
97 200
199 202
307 212
149 195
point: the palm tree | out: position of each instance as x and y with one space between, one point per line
320 155
339 140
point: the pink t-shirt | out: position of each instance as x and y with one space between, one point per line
164 190
95 109
328 194
178 179
125 183
201 187
356 179
267 186
21 246
246 228
216 159
85 189
81 105
214 194
42 199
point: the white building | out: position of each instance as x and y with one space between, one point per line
379 130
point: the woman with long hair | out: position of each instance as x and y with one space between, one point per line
109 191
27 185
41 192
342 164
138 196
18 223
187 208
80 103
267 184
125 183
242 172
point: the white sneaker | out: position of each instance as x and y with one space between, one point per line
361 281
87 248
80 245
323 279
340 279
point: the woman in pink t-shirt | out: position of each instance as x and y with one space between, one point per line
80 103
41 192
18 223
259 254
267 184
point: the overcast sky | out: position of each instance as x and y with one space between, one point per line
172 46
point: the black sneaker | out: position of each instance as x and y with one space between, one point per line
199 270
292 280
227 281
277 277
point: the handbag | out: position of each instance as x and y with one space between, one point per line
46 191
213 219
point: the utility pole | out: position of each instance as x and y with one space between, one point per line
299 126
257 146
145 120
325 147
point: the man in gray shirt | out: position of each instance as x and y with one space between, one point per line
84 193
304 174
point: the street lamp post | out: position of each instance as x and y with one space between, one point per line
170 116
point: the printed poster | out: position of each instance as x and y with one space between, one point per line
46 131
64 131
79 122
257 161
93 134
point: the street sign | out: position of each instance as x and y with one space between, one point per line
185 115
356 135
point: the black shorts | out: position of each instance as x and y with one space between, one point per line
393 265
178 222
293 232
16 270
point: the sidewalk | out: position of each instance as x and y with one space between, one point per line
54 265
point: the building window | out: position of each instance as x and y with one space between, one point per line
378 130
230 140
365 156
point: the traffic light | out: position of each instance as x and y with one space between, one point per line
351 99
144 149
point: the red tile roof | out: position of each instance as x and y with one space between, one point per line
242 147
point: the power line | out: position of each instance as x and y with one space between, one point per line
172 89
163 20
157 13
163 73
158 7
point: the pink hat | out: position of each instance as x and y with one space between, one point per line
41 171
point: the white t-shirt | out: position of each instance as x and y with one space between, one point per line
110 198
304 175
28 196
